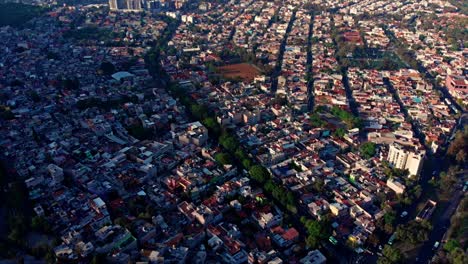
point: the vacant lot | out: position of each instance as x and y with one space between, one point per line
244 71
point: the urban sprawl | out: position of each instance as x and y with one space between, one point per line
230 131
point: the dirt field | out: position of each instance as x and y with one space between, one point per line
245 71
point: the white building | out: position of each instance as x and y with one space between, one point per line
396 186
314 257
403 158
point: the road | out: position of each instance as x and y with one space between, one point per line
441 225
440 228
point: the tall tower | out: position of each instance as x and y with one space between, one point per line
134 4
113 5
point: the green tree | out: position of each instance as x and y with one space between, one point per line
228 142
259 173
246 163
212 125
198 111
458 256
315 232
451 245
390 255
414 231
223 158
368 149
340 132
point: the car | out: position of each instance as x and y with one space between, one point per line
392 238
436 245
403 214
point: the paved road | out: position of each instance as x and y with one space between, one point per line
443 223
440 228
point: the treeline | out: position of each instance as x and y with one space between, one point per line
234 153
316 231
153 56
18 220
92 33
105 104
459 147
17 14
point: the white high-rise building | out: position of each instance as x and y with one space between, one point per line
126 5
113 5
402 157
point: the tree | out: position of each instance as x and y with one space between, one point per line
374 239
198 111
315 231
368 149
448 180
390 217
318 185
228 142
39 223
461 156
451 245
99 258
212 125
259 173
35 96
459 146
246 163
107 68
71 84
458 256
340 132
414 231
390 255
223 158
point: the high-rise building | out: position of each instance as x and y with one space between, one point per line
125 5
113 5
133 4
402 157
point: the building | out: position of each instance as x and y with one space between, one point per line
133 4
404 158
314 257
456 83
396 186
125 5
457 86
194 133
338 209
113 5
56 173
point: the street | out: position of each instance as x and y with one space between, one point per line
427 251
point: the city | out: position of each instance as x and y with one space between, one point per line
233 131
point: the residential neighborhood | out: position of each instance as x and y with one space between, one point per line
233 131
